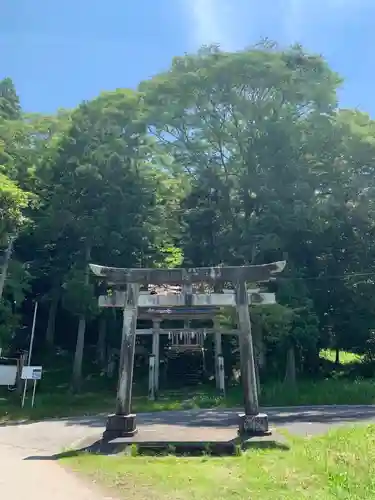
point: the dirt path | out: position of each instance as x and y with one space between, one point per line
28 469
40 478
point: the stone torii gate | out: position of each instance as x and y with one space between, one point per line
123 423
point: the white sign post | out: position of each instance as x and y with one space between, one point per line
30 373
32 333
29 356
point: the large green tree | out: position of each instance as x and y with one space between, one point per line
109 193
254 132
246 127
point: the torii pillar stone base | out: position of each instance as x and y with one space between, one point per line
120 426
253 425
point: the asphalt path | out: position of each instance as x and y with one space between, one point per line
51 436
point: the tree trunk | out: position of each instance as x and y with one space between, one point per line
19 382
290 372
50 332
78 356
4 268
101 345
111 364
257 375
311 361
337 359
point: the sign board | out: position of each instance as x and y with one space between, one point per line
178 331
181 310
8 374
31 373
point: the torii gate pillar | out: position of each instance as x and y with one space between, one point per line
251 422
123 422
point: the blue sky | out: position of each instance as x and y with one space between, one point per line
59 53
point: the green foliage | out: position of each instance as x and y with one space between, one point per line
18 282
226 158
10 107
78 297
134 450
171 257
9 321
13 202
276 322
244 127
16 290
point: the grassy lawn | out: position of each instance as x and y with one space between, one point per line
339 465
346 358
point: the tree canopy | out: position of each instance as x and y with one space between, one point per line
225 158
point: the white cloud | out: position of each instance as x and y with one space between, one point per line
208 23
237 23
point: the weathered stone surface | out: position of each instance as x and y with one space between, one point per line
190 275
253 424
120 426
117 300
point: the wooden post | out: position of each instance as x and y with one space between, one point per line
20 364
290 371
251 421
128 350
151 377
101 344
218 352
221 375
187 290
257 341
156 352
123 423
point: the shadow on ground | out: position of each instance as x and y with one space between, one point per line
229 448
225 418
158 430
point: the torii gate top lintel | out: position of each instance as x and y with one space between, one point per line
234 274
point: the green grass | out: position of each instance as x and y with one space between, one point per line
63 403
339 465
321 392
346 358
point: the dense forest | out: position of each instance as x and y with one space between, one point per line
226 158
